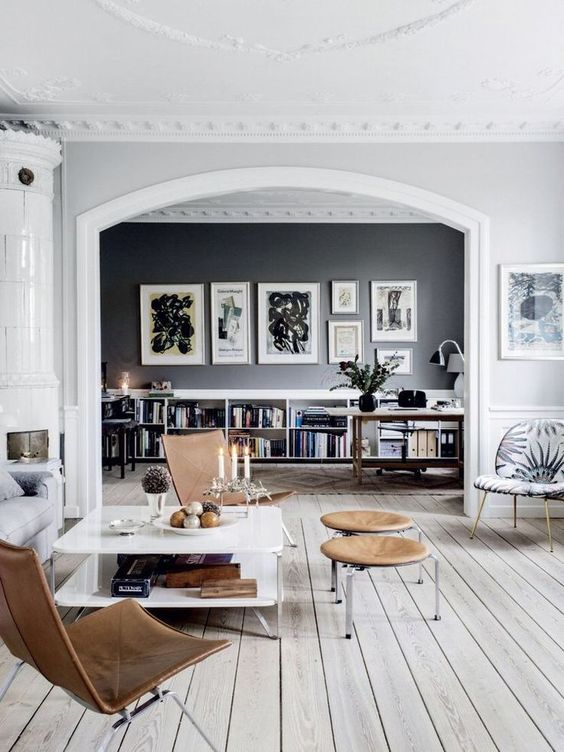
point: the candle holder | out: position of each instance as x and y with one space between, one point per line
250 490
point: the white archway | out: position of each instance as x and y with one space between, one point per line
89 225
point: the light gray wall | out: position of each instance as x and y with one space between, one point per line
134 254
518 185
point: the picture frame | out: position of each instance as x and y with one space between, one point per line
393 308
288 322
346 340
230 323
404 355
344 297
172 324
531 311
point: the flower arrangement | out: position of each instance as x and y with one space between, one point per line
156 480
366 378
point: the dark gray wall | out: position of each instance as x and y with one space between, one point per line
155 253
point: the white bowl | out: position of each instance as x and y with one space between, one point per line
125 527
224 523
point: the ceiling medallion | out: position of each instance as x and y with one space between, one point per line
229 43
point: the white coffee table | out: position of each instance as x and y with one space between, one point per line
256 542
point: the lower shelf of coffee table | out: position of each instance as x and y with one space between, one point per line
89 586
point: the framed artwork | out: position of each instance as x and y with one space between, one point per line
288 322
403 356
345 340
344 296
393 311
230 322
531 311
172 325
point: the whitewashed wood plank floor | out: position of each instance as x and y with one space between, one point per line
489 676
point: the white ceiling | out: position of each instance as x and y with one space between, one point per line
284 67
283 205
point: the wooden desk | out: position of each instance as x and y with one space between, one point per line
383 415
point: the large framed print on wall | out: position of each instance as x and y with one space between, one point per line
288 322
393 311
172 325
345 341
531 300
230 322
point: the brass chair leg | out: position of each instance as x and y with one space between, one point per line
479 514
515 510
547 513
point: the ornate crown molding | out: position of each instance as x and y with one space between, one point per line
218 214
230 43
288 129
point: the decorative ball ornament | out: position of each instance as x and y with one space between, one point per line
177 518
209 519
209 506
192 521
26 176
194 507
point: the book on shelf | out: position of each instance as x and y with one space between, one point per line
318 444
191 415
259 447
256 416
316 417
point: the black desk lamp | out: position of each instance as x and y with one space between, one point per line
455 364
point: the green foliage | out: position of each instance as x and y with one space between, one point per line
366 378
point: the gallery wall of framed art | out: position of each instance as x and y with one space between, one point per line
319 276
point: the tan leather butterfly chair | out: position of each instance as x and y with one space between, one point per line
105 661
192 462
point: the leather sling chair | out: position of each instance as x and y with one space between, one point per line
107 660
192 462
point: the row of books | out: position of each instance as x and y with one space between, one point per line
257 416
191 415
258 445
149 411
318 444
149 443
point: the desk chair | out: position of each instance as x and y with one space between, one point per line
107 660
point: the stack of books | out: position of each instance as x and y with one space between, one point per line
191 415
318 444
258 446
316 417
149 411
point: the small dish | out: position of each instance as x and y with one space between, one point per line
125 527
163 524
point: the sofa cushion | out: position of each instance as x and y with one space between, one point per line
22 518
9 488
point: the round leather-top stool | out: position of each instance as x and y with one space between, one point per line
366 522
366 551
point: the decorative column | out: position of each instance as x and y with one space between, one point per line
29 394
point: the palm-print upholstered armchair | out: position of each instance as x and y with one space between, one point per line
529 462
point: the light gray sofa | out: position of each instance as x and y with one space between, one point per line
31 520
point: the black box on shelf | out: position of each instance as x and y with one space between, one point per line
135 576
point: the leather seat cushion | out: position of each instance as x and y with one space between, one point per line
366 521
23 517
382 551
496 484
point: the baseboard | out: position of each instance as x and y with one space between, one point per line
72 513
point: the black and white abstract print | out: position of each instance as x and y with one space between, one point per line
172 329
289 322
172 324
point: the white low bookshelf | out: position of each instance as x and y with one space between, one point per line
322 443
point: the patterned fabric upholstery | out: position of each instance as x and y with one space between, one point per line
529 461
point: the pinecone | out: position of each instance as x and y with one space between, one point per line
209 506
156 480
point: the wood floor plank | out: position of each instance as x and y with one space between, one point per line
255 716
457 723
354 713
53 724
306 720
405 718
544 559
544 703
505 719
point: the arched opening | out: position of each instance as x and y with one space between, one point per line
89 225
